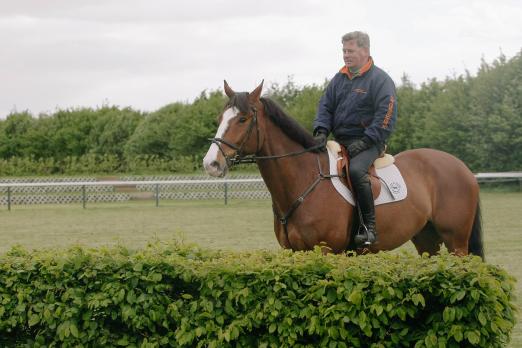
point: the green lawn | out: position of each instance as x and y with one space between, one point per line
239 225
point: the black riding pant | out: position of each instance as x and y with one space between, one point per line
360 164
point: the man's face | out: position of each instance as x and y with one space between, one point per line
354 56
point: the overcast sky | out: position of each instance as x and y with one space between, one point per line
149 53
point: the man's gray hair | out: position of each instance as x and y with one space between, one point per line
362 39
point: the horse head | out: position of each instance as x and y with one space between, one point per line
238 132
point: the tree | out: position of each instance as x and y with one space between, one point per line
13 135
153 135
112 130
196 124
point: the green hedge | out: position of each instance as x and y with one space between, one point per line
98 164
178 295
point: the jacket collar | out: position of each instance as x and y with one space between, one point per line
364 69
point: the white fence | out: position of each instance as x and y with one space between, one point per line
88 190
21 193
499 177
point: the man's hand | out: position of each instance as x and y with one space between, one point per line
358 146
320 136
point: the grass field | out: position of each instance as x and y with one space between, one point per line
237 226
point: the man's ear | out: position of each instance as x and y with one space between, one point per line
228 91
256 93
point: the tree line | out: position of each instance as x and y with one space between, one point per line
476 118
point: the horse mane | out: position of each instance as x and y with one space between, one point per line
288 125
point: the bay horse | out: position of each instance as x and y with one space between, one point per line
442 205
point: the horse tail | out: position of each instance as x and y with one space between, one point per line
475 245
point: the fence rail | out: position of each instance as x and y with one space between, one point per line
88 190
125 190
505 176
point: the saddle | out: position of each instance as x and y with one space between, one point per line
344 163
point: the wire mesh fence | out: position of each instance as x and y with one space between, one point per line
113 189
67 190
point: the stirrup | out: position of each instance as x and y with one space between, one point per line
366 238
370 239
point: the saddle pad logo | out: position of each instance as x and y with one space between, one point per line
395 188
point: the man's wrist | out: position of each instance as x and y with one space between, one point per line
320 130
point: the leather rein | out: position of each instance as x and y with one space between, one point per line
240 158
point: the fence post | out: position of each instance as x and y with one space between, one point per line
9 198
157 195
226 192
84 194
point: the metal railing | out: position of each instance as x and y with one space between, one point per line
139 187
503 176
93 191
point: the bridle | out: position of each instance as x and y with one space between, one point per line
240 158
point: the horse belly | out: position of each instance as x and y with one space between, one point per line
397 223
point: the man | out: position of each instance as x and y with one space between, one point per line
359 107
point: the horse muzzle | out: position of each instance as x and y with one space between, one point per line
215 169
214 163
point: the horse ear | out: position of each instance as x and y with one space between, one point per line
228 91
256 93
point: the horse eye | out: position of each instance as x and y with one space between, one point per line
242 119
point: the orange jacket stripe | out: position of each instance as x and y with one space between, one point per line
389 113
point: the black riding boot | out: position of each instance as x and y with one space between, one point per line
365 200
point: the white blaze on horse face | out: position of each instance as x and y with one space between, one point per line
210 162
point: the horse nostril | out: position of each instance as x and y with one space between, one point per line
214 164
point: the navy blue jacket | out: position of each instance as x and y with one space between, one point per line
358 105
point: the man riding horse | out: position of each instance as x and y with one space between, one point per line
359 107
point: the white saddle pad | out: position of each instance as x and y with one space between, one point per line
393 187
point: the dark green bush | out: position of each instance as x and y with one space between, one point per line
175 295
98 164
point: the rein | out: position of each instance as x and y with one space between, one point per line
239 158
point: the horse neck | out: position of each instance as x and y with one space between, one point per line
286 178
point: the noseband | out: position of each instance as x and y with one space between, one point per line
239 158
